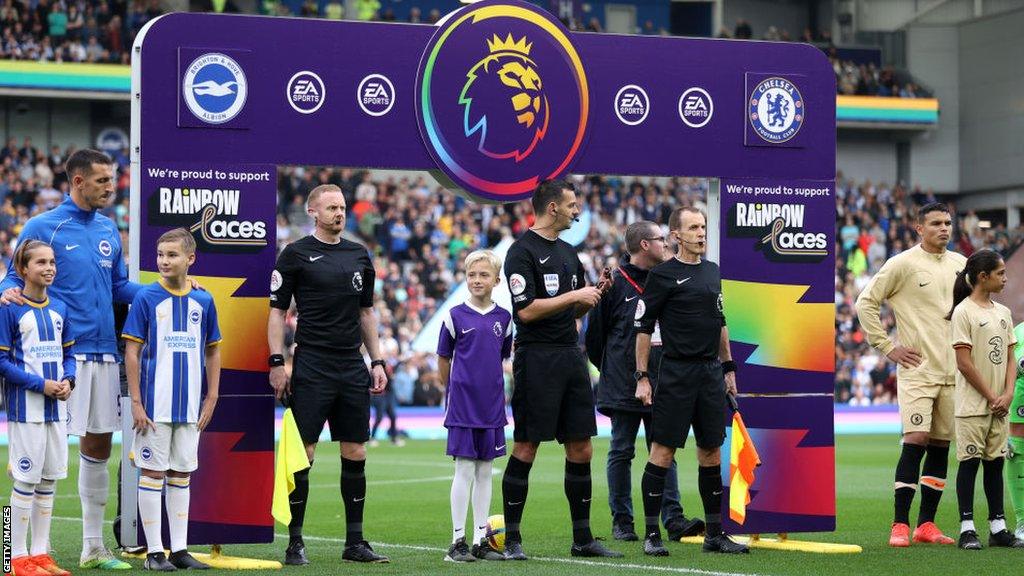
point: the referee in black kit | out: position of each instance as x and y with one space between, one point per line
332 281
611 346
684 297
552 398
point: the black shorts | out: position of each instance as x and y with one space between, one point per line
552 398
689 393
333 388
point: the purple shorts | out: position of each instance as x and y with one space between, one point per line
476 443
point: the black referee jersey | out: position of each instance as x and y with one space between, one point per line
330 283
687 300
538 268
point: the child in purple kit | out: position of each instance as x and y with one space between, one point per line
475 337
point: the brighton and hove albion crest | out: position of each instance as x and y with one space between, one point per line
502 100
776 110
215 88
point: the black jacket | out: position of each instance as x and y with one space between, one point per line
611 344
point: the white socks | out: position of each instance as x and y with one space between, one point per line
996 526
93 487
177 511
481 498
460 496
22 495
151 512
478 474
966 525
42 515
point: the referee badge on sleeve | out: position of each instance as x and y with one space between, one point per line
641 308
551 284
275 281
357 281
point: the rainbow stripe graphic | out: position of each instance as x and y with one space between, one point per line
76 77
788 334
500 191
879 109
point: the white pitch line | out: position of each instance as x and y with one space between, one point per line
576 561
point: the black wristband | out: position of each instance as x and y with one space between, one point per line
728 366
275 360
380 363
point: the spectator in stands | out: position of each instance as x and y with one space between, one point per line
743 31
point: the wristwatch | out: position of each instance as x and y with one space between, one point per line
275 360
380 363
639 374
71 381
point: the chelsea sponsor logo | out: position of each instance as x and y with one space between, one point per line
776 110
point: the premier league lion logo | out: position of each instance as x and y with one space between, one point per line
503 100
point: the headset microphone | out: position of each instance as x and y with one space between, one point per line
573 218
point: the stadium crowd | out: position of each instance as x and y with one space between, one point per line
101 31
420 235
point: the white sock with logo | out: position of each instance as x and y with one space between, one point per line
177 511
21 511
481 498
460 496
42 515
93 488
151 512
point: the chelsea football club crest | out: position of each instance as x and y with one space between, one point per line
776 110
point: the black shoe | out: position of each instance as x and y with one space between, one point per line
295 553
1004 539
459 552
514 551
158 562
593 549
362 552
682 527
969 541
654 547
484 551
724 545
182 560
624 532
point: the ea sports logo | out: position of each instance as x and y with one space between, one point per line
632 105
376 95
215 88
306 92
776 110
696 107
24 464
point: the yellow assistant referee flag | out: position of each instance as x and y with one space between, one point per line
743 459
291 458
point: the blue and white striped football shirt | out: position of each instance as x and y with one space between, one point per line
35 346
174 329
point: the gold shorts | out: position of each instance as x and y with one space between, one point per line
927 408
981 437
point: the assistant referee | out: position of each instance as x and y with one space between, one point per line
684 297
552 398
332 281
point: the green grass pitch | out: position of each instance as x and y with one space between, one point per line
407 514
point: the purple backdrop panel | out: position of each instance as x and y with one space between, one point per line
351 126
794 488
777 253
235 476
